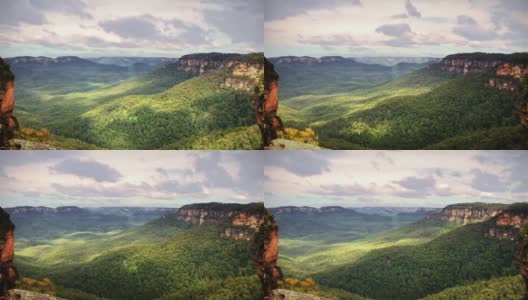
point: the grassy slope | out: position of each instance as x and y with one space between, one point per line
159 259
461 256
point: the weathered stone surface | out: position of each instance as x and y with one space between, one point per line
28 145
470 213
8 122
282 144
8 273
281 294
16 294
266 105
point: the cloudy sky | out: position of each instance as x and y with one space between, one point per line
318 178
129 178
129 27
395 178
394 28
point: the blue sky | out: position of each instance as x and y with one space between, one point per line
313 178
421 28
129 27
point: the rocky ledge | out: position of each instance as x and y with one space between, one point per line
281 294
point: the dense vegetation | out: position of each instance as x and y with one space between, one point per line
90 105
330 78
506 288
409 272
428 108
163 259
5 71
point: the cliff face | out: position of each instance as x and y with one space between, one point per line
245 69
252 222
8 273
503 71
266 104
510 223
8 122
470 213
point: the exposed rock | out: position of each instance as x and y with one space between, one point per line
266 104
282 144
281 294
28 145
16 294
8 122
510 222
8 273
468 213
503 71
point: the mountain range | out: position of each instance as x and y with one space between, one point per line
231 251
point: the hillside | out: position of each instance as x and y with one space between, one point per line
483 249
207 251
466 101
192 103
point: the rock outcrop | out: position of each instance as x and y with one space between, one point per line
468 213
283 144
244 70
8 122
503 71
252 222
281 294
17 294
266 104
8 274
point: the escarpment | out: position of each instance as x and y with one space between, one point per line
8 122
502 71
251 222
244 70
266 104
8 273
468 213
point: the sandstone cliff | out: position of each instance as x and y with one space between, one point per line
281 294
252 222
8 273
8 122
502 71
244 70
467 213
266 104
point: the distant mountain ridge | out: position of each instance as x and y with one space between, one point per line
46 60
